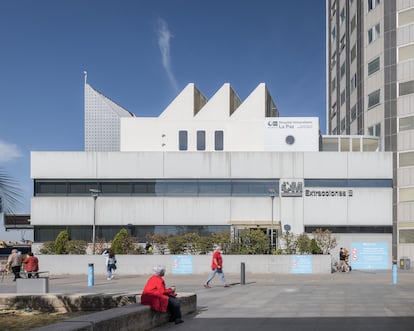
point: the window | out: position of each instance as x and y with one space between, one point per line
201 140
182 140
373 66
406 53
406 17
372 4
375 130
333 34
343 122
333 59
353 113
342 42
406 194
353 83
353 23
218 140
333 110
333 84
406 88
406 159
374 33
406 123
374 98
353 53
343 97
406 236
343 69
342 15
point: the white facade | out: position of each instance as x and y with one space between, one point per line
316 206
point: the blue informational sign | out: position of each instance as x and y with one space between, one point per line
301 264
182 264
369 256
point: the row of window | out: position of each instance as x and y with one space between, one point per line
200 140
188 187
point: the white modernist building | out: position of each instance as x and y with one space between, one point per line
208 165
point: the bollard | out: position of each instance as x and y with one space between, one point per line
394 272
242 274
91 281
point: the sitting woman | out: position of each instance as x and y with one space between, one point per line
160 298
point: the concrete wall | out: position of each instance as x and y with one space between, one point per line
143 264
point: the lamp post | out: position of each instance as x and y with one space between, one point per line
272 194
94 193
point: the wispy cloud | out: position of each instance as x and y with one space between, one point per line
164 37
8 152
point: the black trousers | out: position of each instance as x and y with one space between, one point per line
16 271
174 308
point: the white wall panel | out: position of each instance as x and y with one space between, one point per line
369 165
61 211
196 165
329 211
325 165
62 165
370 206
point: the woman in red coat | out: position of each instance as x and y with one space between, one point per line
32 265
160 298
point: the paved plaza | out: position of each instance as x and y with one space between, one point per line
359 300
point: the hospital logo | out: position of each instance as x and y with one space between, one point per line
291 189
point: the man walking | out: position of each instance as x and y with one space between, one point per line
15 262
216 268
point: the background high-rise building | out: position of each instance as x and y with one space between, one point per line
370 90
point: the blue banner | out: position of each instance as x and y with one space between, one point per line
301 264
182 264
369 256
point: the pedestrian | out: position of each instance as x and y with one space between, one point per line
148 248
110 262
216 268
14 261
342 260
160 298
32 265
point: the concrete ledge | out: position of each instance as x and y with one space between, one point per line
63 303
134 317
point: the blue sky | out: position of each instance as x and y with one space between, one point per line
141 54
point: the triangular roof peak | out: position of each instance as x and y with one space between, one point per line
186 105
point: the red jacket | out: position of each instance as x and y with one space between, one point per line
32 263
155 294
217 256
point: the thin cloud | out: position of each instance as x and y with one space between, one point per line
8 152
164 37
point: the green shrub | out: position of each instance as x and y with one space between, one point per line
176 244
61 242
76 247
123 243
48 247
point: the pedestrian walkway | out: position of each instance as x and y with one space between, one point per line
357 300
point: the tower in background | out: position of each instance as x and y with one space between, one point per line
370 90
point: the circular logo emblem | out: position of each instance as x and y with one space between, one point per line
290 140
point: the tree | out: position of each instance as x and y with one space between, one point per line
290 242
61 242
254 242
325 240
223 239
10 193
303 244
176 244
123 243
